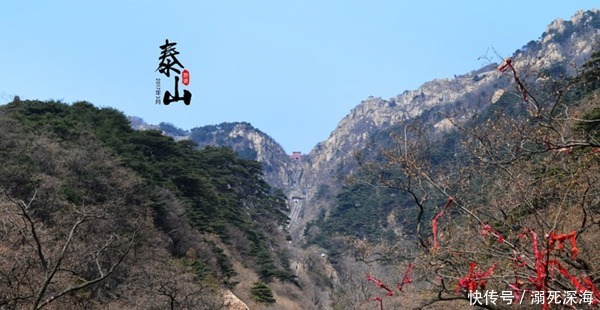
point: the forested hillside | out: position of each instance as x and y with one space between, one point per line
485 182
95 214
508 201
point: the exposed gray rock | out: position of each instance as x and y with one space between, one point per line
564 43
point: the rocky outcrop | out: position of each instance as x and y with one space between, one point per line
232 302
276 163
246 140
564 45
570 41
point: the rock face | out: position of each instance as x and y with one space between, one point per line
250 143
564 45
243 138
567 41
232 302
276 163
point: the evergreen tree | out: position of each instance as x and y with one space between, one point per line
261 292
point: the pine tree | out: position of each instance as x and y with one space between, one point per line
261 292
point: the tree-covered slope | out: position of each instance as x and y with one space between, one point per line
507 200
98 204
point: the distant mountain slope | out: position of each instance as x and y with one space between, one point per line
564 46
315 184
248 142
497 157
142 221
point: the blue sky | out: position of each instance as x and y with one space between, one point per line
291 68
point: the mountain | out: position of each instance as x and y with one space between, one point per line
96 214
330 197
248 142
563 46
473 141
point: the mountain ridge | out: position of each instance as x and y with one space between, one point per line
375 112
458 98
150 221
312 182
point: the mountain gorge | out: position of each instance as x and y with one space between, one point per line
316 184
172 226
562 48
100 210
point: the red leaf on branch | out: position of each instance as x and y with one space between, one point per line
380 284
475 280
378 299
487 229
505 65
434 222
407 278
554 238
578 286
590 284
540 266
508 65
516 289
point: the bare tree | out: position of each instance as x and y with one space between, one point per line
44 264
520 212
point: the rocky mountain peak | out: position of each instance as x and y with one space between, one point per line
564 44
573 39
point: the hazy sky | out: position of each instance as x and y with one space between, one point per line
291 68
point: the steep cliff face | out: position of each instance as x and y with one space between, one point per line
569 42
564 45
251 143
280 169
311 181
248 142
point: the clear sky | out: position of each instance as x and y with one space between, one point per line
293 69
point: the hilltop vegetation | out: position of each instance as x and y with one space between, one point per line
507 201
486 181
97 214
